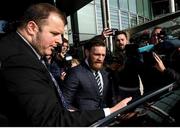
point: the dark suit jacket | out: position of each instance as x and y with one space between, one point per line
81 89
27 93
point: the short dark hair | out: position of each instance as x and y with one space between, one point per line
40 12
95 41
121 32
154 29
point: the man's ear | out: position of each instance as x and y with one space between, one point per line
32 27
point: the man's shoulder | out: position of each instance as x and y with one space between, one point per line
80 69
8 37
8 45
10 40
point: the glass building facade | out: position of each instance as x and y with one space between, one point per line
123 14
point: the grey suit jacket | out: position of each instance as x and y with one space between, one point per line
27 94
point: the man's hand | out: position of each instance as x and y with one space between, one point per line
106 32
62 75
121 104
159 65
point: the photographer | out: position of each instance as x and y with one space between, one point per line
167 71
155 35
124 74
167 50
61 61
121 40
64 49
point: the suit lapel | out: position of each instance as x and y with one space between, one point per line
91 78
35 62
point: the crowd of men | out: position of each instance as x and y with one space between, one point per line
40 85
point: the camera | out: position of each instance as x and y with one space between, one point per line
114 31
67 61
68 57
61 61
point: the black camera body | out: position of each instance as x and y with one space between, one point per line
114 31
67 61
63 62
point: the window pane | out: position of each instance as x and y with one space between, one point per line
132 6
124 20
113 3
146 10
86 21
123 4
114 16
133 20
140 7
98 16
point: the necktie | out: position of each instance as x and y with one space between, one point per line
97 77
59 91
57 87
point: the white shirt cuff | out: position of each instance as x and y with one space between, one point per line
107 111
